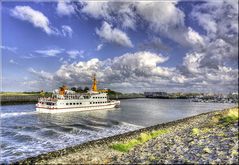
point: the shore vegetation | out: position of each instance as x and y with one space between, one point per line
141 139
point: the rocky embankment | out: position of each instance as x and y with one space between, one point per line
206 138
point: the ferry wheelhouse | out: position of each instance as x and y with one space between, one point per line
65 100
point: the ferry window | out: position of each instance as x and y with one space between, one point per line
70 103
77 103
74 103
90 102
80 103
66 103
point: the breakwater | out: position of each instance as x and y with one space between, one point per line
21 99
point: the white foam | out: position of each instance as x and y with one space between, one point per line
12 114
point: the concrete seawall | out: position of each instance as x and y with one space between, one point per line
19 99
8 100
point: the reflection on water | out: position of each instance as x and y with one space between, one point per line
25 133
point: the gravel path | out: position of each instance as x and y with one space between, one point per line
199 140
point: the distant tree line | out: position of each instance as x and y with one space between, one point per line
85 89
80 89
76 89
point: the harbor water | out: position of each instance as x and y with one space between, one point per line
26 133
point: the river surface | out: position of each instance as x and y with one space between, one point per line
25 133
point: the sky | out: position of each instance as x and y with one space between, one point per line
171 46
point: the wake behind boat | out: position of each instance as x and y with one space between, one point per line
65 100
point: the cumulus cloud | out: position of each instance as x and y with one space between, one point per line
143 71
195 38
39 20
64 8
66 31
12 61
209 65
121 13
35 17
49 52
163 18
128 68
74 53
220 21
110 34
45 76
8 48
96 9
213 65
99 47
192 62
200 75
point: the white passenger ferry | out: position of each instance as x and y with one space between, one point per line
65 100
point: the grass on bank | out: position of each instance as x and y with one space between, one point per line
15 94
144 137
224 118
230 117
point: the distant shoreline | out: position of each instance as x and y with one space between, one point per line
31 99
190 128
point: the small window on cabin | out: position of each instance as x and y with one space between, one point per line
80 103
77 103
66 103
70 103
74 103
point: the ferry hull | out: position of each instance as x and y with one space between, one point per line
74 109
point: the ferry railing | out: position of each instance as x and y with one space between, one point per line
47 99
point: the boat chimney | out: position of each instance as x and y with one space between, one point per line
94 86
